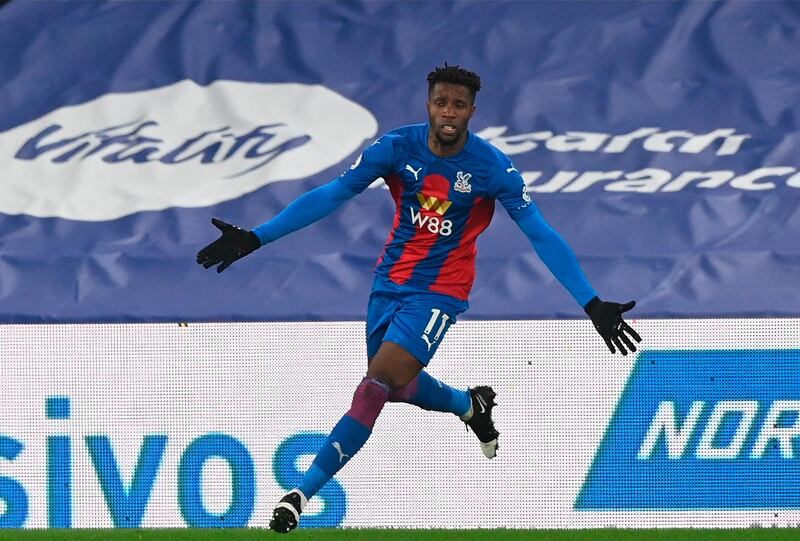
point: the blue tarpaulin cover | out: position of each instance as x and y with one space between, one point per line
660 138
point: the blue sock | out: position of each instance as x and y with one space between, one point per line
431 394
347 437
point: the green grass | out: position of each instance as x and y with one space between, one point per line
749 534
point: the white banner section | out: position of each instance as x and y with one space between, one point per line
207 425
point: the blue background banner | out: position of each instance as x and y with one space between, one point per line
701 429
660 138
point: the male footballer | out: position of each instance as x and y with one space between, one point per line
444 181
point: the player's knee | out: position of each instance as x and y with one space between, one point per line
383 379
393 366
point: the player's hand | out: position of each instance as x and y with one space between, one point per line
607 319
235 243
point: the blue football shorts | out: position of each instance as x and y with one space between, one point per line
416 321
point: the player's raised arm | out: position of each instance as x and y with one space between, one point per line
560 259
235 242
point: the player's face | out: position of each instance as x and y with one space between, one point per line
450 107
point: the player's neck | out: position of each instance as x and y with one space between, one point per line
445 151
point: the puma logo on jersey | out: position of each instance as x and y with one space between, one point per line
415 172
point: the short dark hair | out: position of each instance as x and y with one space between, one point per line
455 75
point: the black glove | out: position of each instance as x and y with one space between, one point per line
607 319
235 243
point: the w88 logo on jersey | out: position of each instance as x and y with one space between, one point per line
434 224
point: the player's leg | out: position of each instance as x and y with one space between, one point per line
424 391
392 367
473 406
432 394
420 325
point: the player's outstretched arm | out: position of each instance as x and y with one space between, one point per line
607 319
305 210
233 244
560 259
310 207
